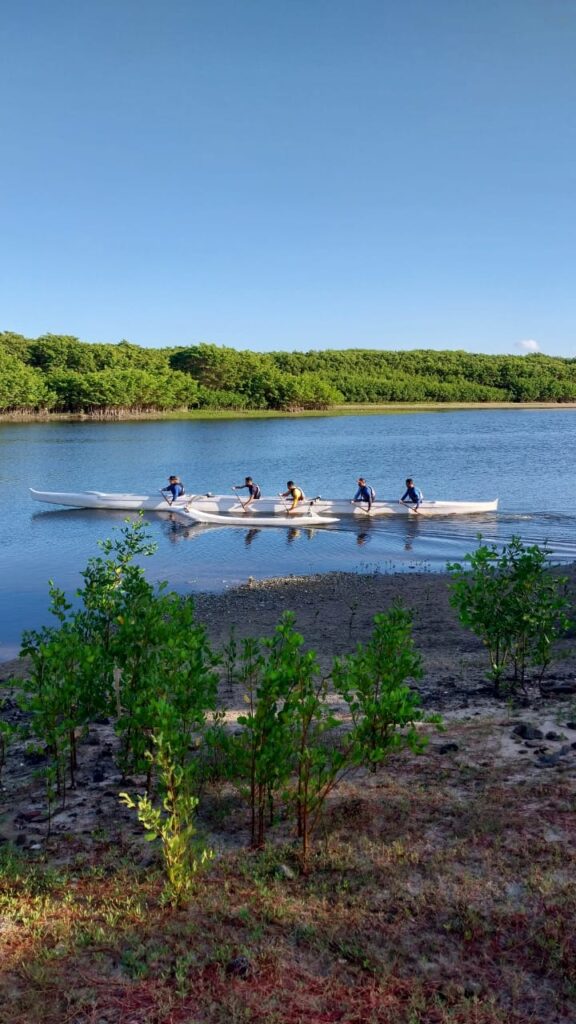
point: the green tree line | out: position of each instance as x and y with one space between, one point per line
60 373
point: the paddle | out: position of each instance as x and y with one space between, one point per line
240 502
411 508
165 498
360 509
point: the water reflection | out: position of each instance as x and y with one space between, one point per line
251 535
412 527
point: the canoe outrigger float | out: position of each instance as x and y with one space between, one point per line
196 516
226 506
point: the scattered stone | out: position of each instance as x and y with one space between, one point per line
552 759
93 741
472 989
557 689
285 871
148 858
515 890
527 731
447 748
240 967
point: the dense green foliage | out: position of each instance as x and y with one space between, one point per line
134 653
62 374
515 605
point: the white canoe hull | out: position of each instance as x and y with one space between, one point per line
217 504
196 516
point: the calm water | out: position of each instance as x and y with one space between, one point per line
524 457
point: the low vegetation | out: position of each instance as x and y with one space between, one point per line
516 607
56 373
378 886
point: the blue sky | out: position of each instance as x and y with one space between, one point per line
290 174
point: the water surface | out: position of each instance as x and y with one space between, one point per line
525 457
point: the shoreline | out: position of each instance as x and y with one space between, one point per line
238 414
334 612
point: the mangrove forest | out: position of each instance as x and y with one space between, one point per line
61 374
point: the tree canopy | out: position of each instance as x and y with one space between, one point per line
63 374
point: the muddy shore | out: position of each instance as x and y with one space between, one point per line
334 612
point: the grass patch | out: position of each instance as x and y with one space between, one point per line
433 899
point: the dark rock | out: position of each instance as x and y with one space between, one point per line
552 735
447 748
239 967
552 759
34 757
527 731
148 858
571 725
551 689
102 720
93 741
98 775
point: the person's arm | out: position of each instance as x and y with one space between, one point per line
404 496
357 495
239 487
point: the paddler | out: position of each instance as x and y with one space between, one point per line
365 494
412 495
175 488
294 492
254 492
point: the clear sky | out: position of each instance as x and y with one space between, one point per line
290 174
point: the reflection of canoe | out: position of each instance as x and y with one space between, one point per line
219 503
252 522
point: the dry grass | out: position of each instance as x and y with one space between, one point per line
443 892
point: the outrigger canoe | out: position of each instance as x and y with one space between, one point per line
218 504
252 522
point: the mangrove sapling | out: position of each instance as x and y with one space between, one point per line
266 673
319 765
161 651
57 694
383 709
7 733
514 604
373 683
230 658
172 823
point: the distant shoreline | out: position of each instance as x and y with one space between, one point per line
264 414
